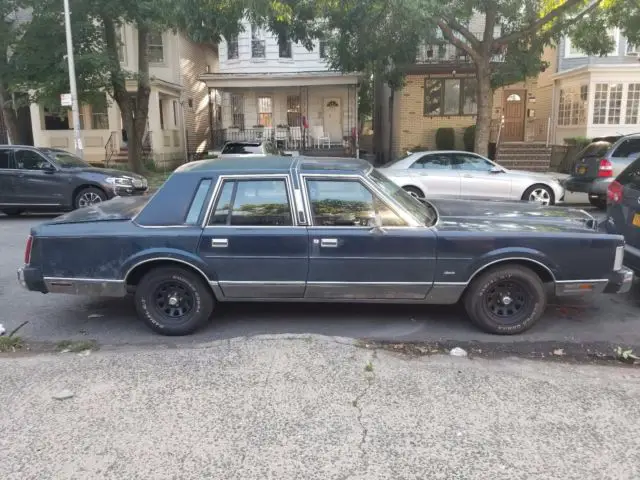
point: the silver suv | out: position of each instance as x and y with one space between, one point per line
599 164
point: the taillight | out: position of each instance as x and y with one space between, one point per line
605 169
614 193
27 250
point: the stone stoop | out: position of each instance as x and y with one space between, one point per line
532 156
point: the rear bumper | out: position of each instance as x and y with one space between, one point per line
617 282
620 281
31 279
594 187
632 258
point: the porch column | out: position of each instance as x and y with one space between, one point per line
157 142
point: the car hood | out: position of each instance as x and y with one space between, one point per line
119 208
490 215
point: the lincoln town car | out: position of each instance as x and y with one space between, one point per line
296 229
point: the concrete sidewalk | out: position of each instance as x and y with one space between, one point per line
313 408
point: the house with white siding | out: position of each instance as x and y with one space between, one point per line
266 88
178 121
596 96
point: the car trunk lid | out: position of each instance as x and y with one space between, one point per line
120 208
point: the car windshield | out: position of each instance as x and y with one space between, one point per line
595 149
415 207
66 160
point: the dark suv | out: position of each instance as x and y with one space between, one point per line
48 179
599 163
623 212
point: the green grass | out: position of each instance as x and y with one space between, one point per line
10 343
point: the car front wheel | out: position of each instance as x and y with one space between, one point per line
540 194
506 300
89 196
173 301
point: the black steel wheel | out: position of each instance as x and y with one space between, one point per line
173 301
506 300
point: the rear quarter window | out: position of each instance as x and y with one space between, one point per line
595 149
630 176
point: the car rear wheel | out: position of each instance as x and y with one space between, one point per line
173 301
414 191
506 300
12 212
539 193
89 196
598 202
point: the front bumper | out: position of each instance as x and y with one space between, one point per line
620 281
31 279
127 191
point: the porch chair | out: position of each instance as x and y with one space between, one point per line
296 136
320 138
267 133
282 136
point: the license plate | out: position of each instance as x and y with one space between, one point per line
582 170
636 220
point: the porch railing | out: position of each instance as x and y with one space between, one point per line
445 52
110 148
293 137
258 49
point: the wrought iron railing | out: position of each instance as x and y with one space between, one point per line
444 52
110 148
258 49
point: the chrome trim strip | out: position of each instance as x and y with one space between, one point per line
591 280
86 286
253 282
632 250
83 279
369 283
32 204
510 259
254 176
160 259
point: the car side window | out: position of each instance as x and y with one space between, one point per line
198 202
348 203
471 163
30 160
432 162
253 203
5 159
627 147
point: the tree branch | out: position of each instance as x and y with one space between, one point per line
538 24
450 35
464 31
491 17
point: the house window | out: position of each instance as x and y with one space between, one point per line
450 96
572 51
265 111
322 48
258 49
284 47
293 111
122 45
572 106
232 49
100 114
615 104
237 110
156 47
633 104
600 104
57 119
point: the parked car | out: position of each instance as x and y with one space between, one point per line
468 175
301 229
260 148
52 180
623 212
599 163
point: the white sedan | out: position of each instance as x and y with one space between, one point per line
467 175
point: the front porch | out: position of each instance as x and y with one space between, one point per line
302 112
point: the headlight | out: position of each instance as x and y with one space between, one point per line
120 181
617 262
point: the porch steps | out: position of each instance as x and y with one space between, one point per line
532 156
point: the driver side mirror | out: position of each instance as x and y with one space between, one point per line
496 169
48 168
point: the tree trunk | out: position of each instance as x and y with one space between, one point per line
141 113
391 115
485 107
10 118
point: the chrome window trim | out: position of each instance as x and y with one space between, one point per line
389 202
273 176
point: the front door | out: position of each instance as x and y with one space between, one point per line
38 182
348 259
478 180
332 114
435 175
514 110
252 242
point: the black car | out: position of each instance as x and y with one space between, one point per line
623 212
49 179
299 229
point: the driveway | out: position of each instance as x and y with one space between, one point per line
611 320
313 408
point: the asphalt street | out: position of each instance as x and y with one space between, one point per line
612 320
313 408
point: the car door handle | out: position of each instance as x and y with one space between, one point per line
219 243
329 242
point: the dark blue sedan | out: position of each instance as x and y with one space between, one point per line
313 230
